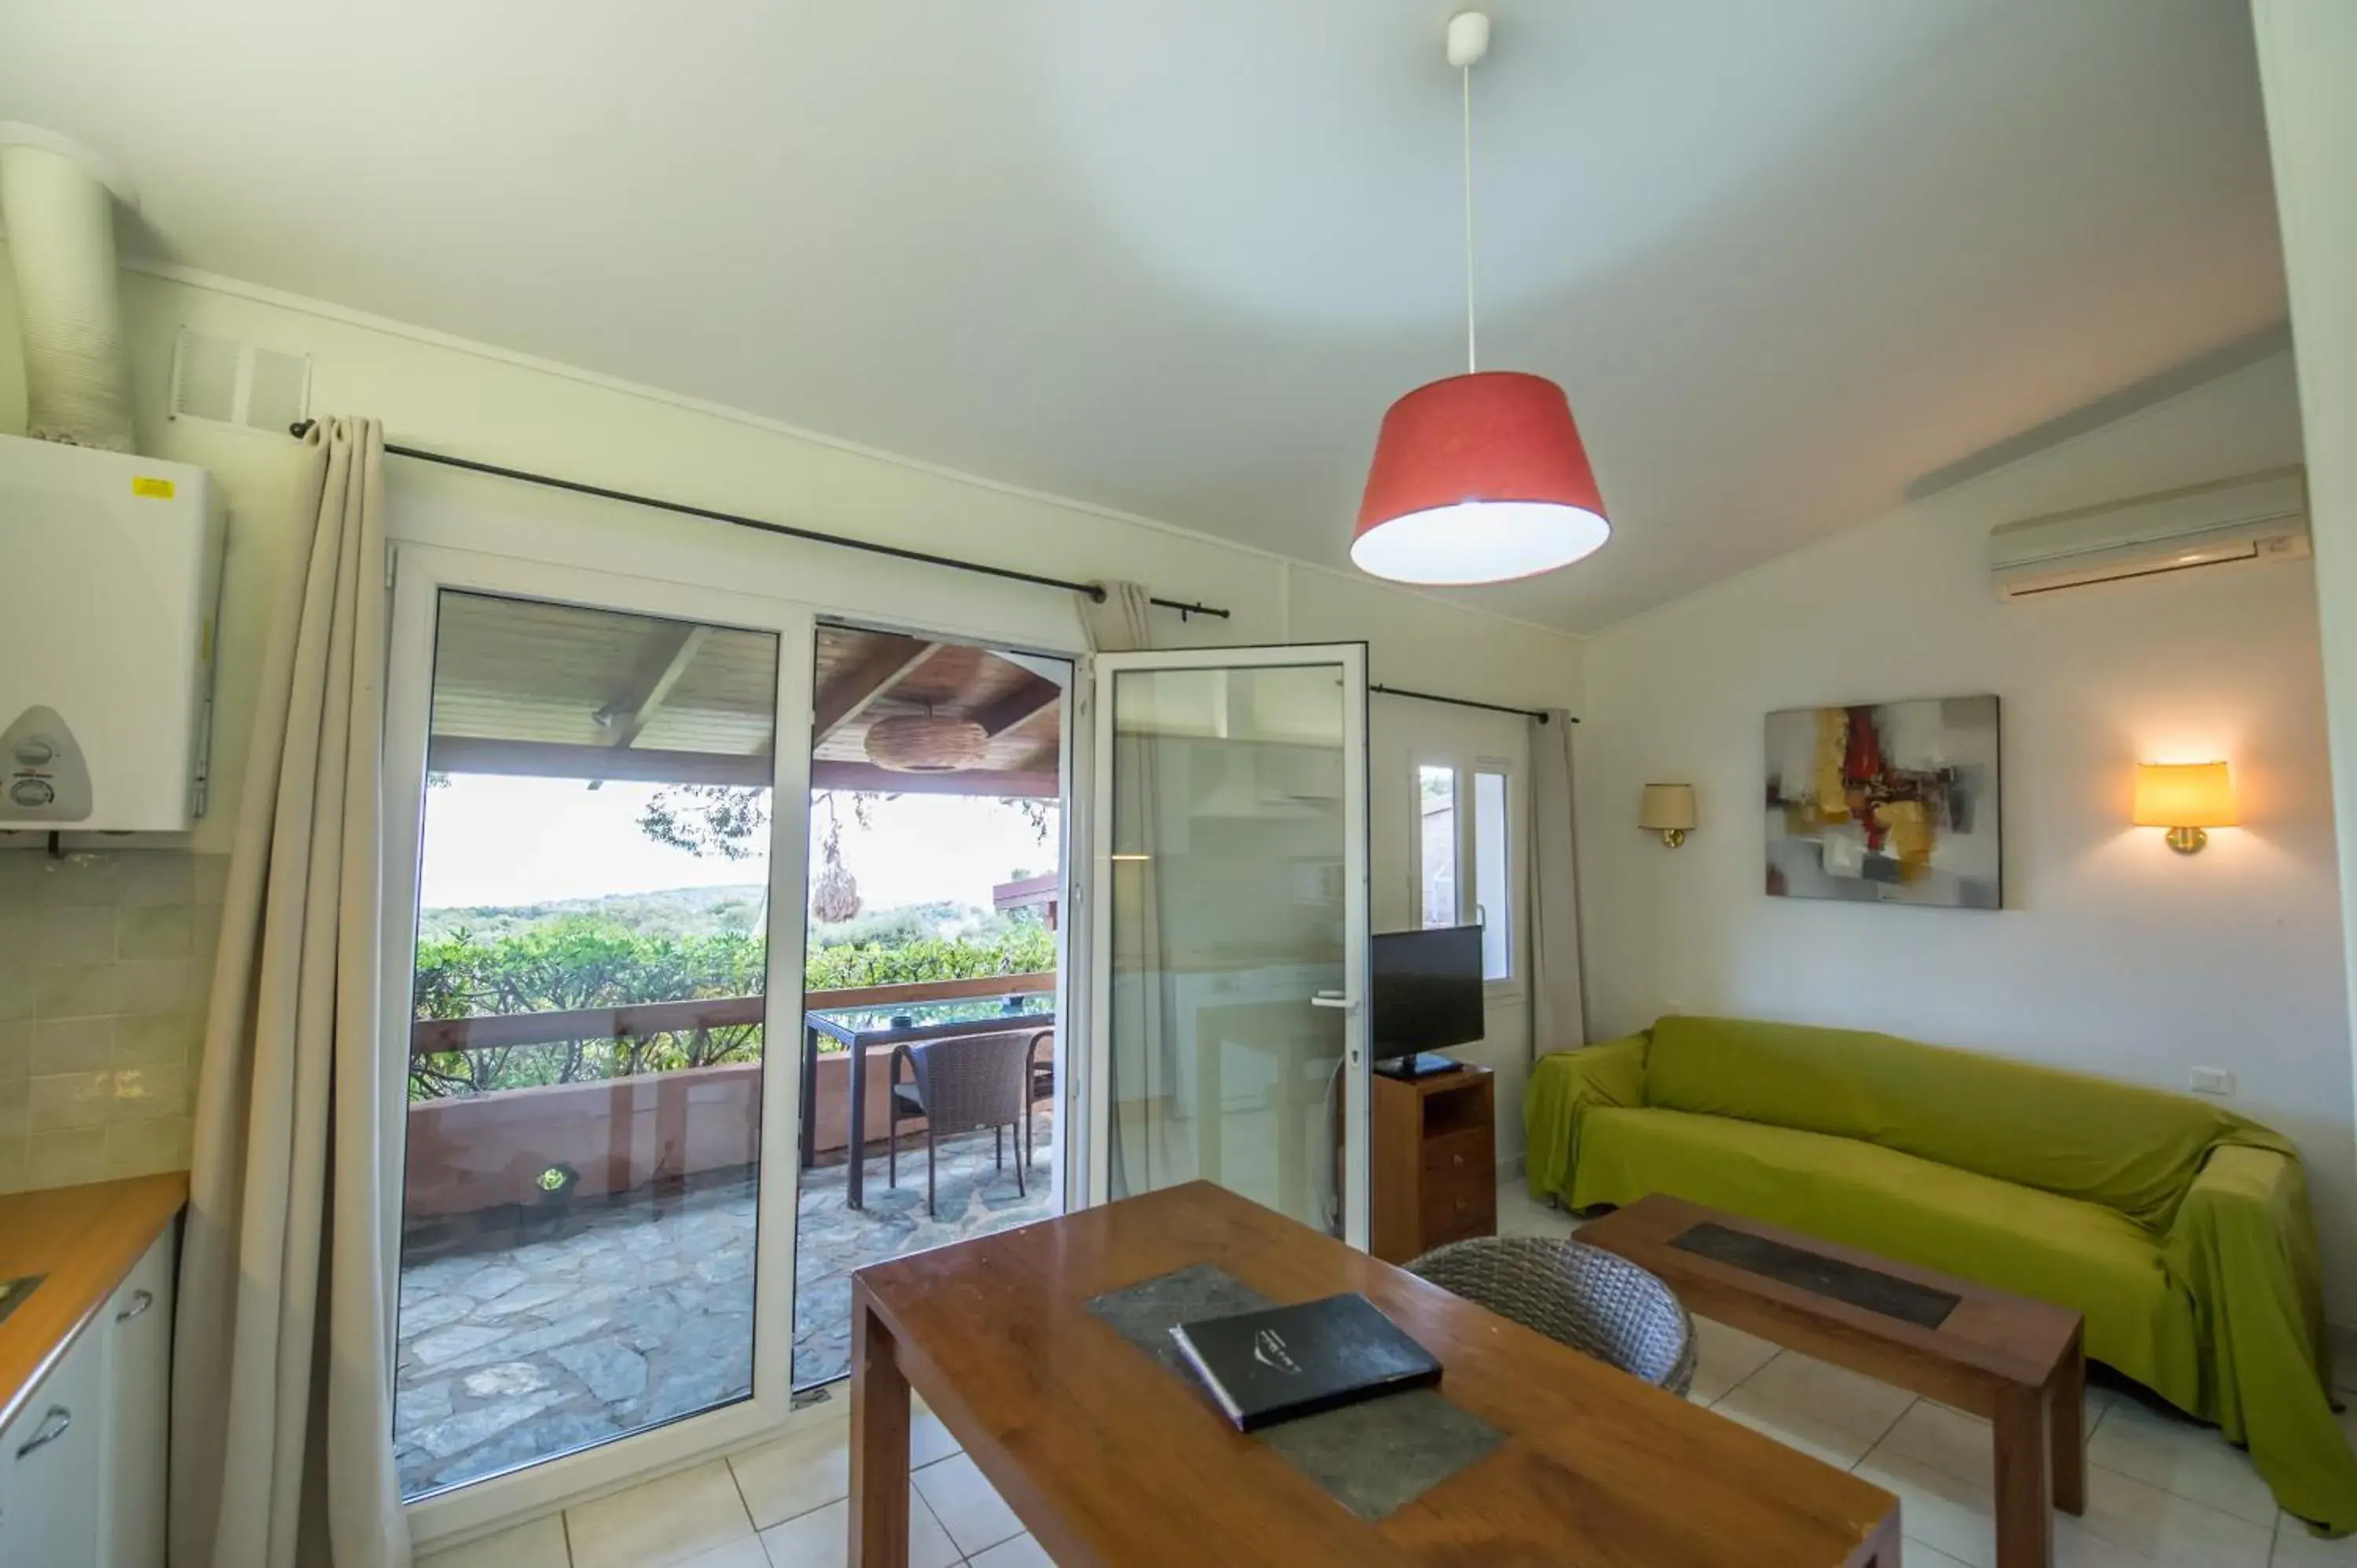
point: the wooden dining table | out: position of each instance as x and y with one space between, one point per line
1110 1459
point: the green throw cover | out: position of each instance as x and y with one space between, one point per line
2180 1230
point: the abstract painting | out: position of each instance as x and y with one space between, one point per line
1888 803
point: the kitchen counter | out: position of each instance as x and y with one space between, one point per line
85 1240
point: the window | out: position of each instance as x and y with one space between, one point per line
1465 861
1492 876
1435 805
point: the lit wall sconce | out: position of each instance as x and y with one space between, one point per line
2185 798
1667 809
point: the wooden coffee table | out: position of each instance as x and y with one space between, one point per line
2015 1360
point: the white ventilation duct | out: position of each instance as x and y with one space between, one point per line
57 202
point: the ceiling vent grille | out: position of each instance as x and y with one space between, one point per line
227 382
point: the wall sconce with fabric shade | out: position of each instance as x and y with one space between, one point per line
1667 809
2185 798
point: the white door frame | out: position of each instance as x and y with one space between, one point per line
421 573
1351 657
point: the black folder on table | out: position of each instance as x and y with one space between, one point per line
1281 1362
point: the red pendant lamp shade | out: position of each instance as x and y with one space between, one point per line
1478 479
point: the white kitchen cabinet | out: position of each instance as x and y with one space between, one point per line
55 1455
83 1465
138 1325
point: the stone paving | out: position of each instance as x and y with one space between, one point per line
552 1337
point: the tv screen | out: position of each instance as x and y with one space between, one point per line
1427 989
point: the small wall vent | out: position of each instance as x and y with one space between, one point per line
228 383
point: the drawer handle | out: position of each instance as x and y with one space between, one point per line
53 1426
141 1300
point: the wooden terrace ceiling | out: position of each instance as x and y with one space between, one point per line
556 690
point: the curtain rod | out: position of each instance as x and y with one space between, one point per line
1463 703
1186 609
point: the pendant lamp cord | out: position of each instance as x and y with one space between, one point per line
1472 363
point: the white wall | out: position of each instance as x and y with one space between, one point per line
2114 955
2308 58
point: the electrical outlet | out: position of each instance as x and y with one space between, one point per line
2213 1080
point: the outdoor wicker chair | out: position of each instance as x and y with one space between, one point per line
1594 1301
959 1085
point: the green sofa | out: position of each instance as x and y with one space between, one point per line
2180 1230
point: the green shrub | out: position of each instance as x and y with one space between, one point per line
580 962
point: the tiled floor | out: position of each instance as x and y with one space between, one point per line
2160 1491
581 1330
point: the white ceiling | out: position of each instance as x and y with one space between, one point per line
1178 257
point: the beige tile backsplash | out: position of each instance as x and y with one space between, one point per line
104 959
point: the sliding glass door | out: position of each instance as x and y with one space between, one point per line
595 1084
1231 928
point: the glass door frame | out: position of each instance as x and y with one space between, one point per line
420 574
1096 1079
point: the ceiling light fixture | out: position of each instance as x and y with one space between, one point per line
1481 478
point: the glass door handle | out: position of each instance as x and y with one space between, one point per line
1334 999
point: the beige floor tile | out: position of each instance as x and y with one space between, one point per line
807 1468
1724 1356
1817 1407
2183 1457
540 1544
971 1510
1520 1214
660 1524
1945 1439
1020 1553
821 1539
2295 1548
1920 1555
745 1551
1945 1512
1795 1429
2175 1531
930 1442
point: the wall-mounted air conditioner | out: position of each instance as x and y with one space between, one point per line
2259 517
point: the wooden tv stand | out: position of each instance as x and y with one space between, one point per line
1433 1165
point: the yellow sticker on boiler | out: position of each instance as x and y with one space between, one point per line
155 488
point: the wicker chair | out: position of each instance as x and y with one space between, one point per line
1594 1301
959 1085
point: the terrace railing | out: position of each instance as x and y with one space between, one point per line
645 1020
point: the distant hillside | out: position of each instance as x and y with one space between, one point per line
711 911
675 912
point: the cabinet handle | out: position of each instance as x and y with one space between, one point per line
53 1426
141 1300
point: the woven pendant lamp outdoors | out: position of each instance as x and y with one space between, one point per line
926 743
1481 478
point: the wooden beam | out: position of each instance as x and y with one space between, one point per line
548 759
849 693
665 662
828 774
1036 696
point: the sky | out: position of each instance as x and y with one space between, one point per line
493 840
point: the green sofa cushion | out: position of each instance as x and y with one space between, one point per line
2009 1120
2012 1237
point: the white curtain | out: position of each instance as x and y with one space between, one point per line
1139 969
1117 623
1558 1016
281 1450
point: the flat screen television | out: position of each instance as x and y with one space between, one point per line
1427 987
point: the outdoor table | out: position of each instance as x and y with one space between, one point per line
861 1028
